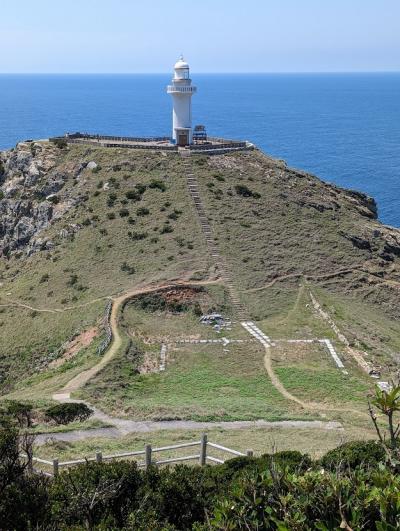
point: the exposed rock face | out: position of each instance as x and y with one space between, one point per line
29 181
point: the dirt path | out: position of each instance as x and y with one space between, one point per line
82 378
303 275
131 426
14 303
392 283
310 406
277 383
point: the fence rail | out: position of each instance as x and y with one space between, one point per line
202 457
88 136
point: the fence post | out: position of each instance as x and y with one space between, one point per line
249 453
99 457
55 467
203 449
148 455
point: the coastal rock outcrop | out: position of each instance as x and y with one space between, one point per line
29 181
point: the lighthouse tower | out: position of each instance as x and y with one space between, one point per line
182 90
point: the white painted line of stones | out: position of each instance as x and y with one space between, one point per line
334 355
224 341
266 341
257 333
163 355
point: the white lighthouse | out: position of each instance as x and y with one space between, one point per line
182 90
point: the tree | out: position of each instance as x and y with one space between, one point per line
20 411
68 412
387 402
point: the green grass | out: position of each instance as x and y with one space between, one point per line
95 254
295 227
261 440
200 383
330 387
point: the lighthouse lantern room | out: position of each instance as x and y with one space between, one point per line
182 90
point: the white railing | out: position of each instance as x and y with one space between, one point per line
185 89
148 456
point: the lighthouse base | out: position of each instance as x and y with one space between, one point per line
183 136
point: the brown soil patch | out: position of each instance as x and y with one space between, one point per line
78 343
149 364
183 295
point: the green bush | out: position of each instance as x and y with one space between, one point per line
141 188
166 229
137 236
54 199
128 268
143 211
157 184
364 454
24 497
61 143
244 191
94 494
68 412
21 412
111 199
124 213
133 195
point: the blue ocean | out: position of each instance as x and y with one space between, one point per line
344 128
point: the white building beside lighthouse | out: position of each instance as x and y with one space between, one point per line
182 90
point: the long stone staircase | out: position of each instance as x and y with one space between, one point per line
240 311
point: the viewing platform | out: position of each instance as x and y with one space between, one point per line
212 145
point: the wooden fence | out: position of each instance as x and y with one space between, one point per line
145 457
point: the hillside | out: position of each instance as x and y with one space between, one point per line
83 225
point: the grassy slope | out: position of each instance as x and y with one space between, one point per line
274 235
300 226
96 257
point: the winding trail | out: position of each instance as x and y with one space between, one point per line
333 274
82 378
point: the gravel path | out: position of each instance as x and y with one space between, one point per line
124 427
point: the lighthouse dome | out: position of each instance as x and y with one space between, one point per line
181 64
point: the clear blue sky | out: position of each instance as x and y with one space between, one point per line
215 35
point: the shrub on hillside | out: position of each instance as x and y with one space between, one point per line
357 454
24 497
61 143
94 494
68 412
157 184
124 213
244 191
128 268
143 211
111 199
166 229
137 236
19 411
133 195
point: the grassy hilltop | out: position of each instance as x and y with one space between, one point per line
75 234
